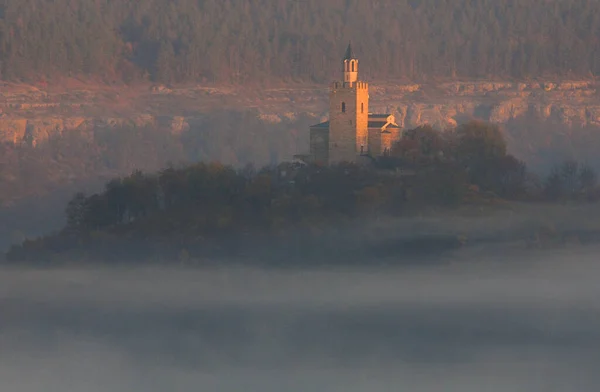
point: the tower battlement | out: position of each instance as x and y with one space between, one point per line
348 113
350 85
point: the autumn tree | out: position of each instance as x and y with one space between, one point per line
422 145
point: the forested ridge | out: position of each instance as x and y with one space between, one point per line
236 41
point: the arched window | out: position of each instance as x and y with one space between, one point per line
362 107
353 66
343 107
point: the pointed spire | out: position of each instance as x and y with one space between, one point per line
349 53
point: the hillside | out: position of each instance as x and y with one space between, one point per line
211 209
243 41
94 89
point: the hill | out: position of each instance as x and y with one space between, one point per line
242 41
210 210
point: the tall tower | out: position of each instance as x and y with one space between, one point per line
348 113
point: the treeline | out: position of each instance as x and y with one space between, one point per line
477 153
45 176
238 41
226 136
213 206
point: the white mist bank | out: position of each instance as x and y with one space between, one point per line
526 322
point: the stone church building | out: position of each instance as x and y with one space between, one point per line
352 134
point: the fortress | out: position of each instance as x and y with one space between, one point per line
352 134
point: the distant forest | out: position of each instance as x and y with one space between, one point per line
240 41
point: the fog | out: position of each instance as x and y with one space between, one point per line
528 322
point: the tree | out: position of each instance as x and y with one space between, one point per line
478 147
553 186
76 212
588 179
256 40
569 173
508 177
478 141
443 184
422 145
116 198
165 61
140 194
173 187
97 213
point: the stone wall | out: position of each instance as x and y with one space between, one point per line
319 145
348 120
387 140
375 141
382 140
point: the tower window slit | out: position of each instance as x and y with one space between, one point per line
343 107
362 107
353 66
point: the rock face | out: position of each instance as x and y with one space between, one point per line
32 115
507 110
38 130
569 102
12 130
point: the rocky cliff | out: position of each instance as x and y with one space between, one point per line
31 115
568 102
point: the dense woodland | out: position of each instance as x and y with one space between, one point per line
236 41
208 207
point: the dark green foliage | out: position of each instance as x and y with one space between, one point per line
241 41
208 207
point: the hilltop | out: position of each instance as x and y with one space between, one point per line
211 210
92 90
